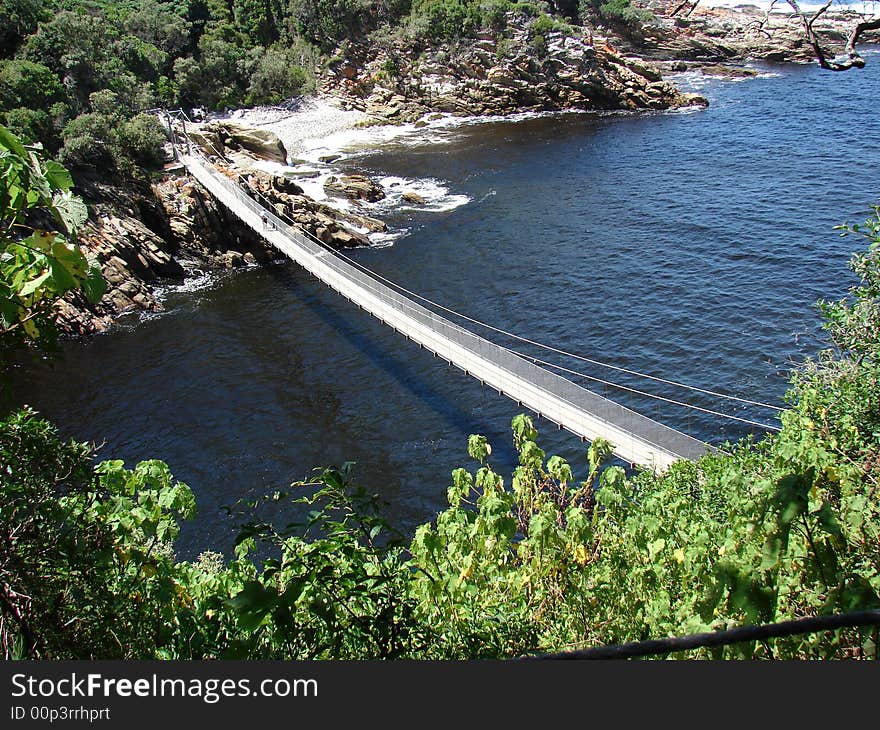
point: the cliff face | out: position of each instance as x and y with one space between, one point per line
142 233
498 75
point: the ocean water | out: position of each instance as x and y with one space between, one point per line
689 245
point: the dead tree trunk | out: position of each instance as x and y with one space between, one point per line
850 57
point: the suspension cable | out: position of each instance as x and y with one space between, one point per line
397 286
548 347
512 335
555 349
642 392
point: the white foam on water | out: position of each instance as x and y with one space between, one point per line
200 282
387 238
196 281
696 81
313 119
436 194
319 134
319 129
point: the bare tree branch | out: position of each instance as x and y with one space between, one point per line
692 8
681 5
850 57
758 25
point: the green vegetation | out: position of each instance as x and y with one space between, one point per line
782 528
75 73
78 73
623 14
39 259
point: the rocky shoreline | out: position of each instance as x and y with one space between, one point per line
171 228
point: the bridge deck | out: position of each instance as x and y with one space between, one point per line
636 438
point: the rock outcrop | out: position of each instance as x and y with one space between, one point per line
142 235
334 227
743 33
495 75
225 138
149 234
354 187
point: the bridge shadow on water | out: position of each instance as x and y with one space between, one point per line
418 380
459 420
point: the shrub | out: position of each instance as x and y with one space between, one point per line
87 141
141 139
27 84
277 78
445 20
493 14
616 12
32 125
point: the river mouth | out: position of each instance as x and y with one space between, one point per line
690 246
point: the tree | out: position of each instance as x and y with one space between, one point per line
276 78
850 57
40 261
19 18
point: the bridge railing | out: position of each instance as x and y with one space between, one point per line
667 443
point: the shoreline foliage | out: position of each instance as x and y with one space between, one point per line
40 260
79 76
782 528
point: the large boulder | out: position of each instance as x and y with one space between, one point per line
354 187
259 143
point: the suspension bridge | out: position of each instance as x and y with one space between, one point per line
527 380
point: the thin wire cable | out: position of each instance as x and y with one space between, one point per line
512 335
536 360
412 306
556 349
465 317
244 195
402 289
545 362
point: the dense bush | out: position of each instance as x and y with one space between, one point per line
148 53
622 13
783 528
106 138
445 19
277 77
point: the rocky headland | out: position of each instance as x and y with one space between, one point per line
499 75
171 228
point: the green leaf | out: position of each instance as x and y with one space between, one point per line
62 279
252 604
598 453
771 551
9 141
559 469
478 447
656 546
58 176
34 284
70 210
523 428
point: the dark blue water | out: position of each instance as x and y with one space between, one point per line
691 246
